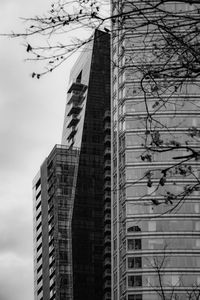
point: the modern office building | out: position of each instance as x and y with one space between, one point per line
72 190
155 234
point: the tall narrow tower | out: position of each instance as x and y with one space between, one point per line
70 261
156 209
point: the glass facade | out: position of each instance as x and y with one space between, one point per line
155 236
90 82
76 252
54 190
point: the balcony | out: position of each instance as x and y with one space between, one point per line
72 132
76 85
107 239
107 126
50 218
72 121
107 261
107 251
107 139
107 228
107 174
107 273
107 115
107 296
38 221
107 284
107 216
39 230
74 108
51 249
39 285
107 151
76 97
107 164
39 273
51 259
107 196
107 206
39 251
107 185
51 238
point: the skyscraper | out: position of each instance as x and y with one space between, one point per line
53 196
71 259
156 210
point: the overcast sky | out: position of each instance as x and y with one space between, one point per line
31 117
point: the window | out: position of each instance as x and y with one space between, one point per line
133 229
175 280
152 225
134 262
134 244
196 208
197 226
135 297
198 243
134 209
135 281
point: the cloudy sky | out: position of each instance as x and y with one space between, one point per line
31 116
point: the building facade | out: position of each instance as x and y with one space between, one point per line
73 261
53 198
155 206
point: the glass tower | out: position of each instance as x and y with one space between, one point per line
72 191
155 206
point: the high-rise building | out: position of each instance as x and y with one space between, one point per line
72 240
53 196
155 218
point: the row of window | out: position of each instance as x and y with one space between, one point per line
184 224
135 297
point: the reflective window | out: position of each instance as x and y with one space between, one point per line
134 262
134 281
134 244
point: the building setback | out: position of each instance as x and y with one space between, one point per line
155 252
73 262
